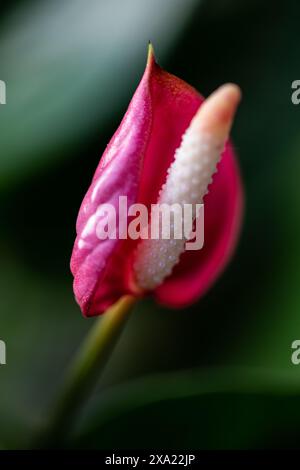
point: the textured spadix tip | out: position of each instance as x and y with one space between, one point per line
216 114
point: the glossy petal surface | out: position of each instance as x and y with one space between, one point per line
135 165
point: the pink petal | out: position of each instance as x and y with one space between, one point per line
135 164
98 265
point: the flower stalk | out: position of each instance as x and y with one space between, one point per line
85 371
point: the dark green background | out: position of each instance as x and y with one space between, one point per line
216 375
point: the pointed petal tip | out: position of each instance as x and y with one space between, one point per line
151 54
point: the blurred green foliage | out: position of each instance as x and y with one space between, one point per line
216 375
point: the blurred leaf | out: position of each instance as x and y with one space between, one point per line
278 323
216 408
36 319
68 66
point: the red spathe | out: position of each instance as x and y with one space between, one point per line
135 165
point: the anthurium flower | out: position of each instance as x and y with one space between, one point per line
165 149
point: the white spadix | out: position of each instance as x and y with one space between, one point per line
188 178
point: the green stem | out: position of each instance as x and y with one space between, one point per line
85 371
